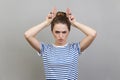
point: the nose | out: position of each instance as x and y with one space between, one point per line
61 35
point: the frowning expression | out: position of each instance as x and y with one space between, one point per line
60 33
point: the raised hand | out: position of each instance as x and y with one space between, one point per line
51 15
70 16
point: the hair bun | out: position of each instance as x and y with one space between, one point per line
61 14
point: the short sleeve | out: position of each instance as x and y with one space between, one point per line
42 47
76 46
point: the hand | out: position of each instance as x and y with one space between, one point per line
51 15
70 16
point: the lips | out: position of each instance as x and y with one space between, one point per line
60 40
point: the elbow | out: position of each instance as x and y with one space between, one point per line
94 34
26 35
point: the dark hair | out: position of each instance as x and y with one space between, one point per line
60 17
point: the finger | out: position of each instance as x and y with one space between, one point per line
68 12
49 16
50 12
72 17
54 11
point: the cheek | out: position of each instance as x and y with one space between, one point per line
66 35
54 34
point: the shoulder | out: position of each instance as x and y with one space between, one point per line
74 44
45 45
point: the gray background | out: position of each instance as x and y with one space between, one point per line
19 61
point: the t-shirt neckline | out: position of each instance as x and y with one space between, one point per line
60 46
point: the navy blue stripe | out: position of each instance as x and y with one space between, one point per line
60 62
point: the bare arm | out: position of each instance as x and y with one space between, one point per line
89 32
30 35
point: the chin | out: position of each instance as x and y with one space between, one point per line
61 43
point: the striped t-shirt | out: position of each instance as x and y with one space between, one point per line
60 62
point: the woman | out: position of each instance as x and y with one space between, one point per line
60 58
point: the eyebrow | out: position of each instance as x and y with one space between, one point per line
64 31
60 31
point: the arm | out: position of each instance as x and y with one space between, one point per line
89 32
30 35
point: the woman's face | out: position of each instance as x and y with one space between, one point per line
60 33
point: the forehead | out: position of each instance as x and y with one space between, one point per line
60 27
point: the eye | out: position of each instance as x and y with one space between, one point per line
64 32
57 32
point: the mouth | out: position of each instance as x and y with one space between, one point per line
60 40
